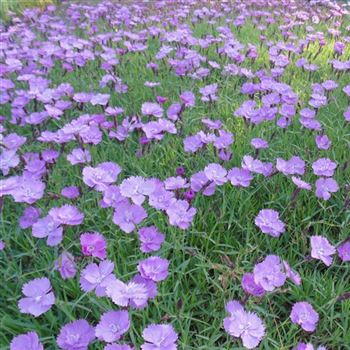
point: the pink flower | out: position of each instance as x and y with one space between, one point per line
112 326
38 297
93 244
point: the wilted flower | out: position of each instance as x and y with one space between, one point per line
66 266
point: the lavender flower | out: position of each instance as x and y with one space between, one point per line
112 326
28 341
93 244
304 315
38 297
245 325
159 337
268 221
76 335
321 249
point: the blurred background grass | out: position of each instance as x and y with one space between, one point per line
18 6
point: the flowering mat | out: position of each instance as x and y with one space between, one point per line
175 175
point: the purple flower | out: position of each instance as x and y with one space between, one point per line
48 227
324 167
101 176
39 297
268 274
323 142
99 99
27 190
151 239
8 159
159 337
193 143
28 341
29 217
66 266
240 177
70 192
136 188
293 166
188 98
97 277
112 325
79 156
243 324
118 347
208 93
180 214
344 251
127 216
67 215
216 173
154 268
76 335
301 184
258 143
93 244
268 221
175 183
250 287
321 249
257 166
153 109
132 293
326 186
304 315
291 274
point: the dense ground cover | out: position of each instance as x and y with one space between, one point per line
225 126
